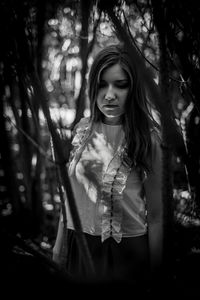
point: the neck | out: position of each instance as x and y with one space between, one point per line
113 120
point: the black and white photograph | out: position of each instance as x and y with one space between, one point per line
100 149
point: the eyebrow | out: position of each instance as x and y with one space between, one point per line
118 80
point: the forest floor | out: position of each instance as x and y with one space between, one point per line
25 273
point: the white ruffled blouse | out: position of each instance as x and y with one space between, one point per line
108 188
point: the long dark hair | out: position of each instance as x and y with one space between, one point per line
138 120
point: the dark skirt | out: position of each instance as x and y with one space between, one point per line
126 261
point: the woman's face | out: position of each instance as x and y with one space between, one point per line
112 94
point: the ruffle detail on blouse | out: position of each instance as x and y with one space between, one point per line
113 185
81 133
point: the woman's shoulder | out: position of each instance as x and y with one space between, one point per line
79 130
84 121
156 142
81 125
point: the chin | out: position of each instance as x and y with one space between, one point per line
112 116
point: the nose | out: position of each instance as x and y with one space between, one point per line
110 93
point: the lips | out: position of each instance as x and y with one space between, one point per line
110 106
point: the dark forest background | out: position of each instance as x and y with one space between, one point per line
46 51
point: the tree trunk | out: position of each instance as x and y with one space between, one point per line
167 180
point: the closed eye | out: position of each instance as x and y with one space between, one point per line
122 84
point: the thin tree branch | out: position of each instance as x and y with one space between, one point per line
156 96
87 259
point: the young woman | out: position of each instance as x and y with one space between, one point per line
115 172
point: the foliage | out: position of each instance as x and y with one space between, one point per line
57 40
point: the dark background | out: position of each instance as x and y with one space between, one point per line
46 50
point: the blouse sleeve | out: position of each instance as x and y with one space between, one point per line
153 184
153 191
59 241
